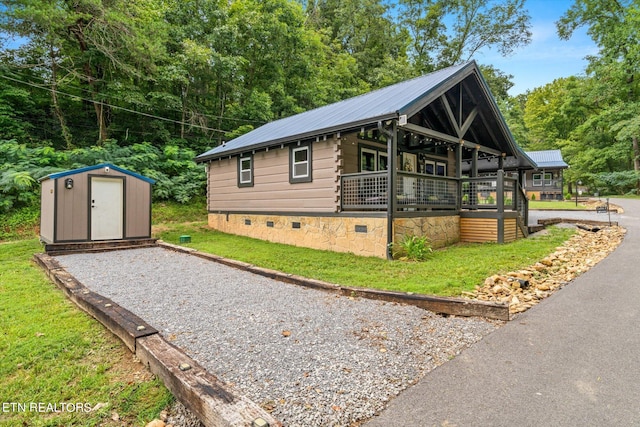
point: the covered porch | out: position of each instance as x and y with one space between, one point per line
491 208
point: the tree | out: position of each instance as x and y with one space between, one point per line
554 111
613 25
365 30
446 32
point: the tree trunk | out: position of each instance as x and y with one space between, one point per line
54 99
98 106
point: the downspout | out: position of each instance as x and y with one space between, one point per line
392 153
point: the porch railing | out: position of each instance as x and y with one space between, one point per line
364 191
413 191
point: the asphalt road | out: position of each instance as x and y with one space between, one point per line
572 360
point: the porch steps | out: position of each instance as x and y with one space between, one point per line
54 249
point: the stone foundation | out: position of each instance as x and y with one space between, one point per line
441 230
360 236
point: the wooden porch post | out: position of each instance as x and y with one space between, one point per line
500 203
473 194
392 200
459 174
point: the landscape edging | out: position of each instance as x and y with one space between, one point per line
214 403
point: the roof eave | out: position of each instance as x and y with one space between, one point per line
294 138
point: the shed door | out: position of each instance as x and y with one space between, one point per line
107 208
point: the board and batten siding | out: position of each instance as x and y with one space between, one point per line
72 210
271 190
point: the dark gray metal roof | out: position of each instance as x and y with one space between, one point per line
382 104
530 160
548 159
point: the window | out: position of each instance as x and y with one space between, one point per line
245 171
372 160
368 160
441 169
538 179
300 164
429 167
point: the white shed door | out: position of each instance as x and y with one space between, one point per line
107 208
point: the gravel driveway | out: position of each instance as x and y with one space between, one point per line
310 357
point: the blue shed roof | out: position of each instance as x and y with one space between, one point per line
548 159
94 167
382 104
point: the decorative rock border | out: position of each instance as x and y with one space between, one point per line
213 402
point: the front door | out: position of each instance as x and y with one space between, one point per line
107 208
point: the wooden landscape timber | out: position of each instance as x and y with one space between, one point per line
215 403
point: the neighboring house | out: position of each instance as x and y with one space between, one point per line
322 178
546 181
539 172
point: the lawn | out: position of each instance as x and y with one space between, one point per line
57 358
447 272
54 354
564 205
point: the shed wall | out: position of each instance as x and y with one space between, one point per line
271 190
137 208
47 209
73 206
72 209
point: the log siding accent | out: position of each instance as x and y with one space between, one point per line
271 190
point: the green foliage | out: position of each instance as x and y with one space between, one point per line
533 197
178 177
412 248
20 223
622 182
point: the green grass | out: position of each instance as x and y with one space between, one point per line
556 204
171 212
53 353
447 272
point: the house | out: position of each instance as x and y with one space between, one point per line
96 203
546 181
359 174
541 176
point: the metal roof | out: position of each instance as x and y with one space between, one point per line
382 104
530 160
548 159
94 167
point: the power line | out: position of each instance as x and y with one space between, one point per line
114 106
213 116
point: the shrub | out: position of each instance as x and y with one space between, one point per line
412 248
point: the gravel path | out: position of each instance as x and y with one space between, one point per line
310 357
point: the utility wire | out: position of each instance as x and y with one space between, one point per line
113 106
213 116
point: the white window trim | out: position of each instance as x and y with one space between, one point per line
294 177
241 181
304 162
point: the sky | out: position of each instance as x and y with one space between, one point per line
547 57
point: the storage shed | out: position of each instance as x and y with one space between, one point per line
95 203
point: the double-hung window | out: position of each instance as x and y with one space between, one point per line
245 171
300 163
542 179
